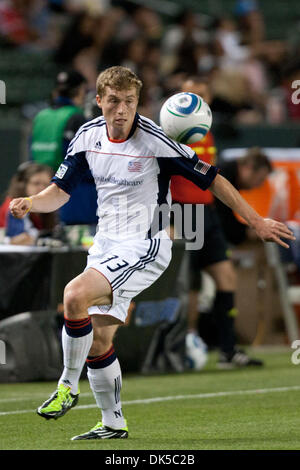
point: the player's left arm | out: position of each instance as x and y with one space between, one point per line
267 229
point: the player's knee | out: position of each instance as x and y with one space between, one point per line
74 302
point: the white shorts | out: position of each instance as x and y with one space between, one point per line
130 266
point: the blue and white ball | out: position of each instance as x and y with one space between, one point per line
185 117
196 354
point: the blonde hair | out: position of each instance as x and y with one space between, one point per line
119 78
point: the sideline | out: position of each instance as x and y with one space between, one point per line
147 401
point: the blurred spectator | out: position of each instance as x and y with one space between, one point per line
194 58
30 179
78 36
233 98
228 44
27 24
250 21
184 42
247 172
14 22
53 129
251 28
242 49
148 22
240 62
95 41
87 43
135 53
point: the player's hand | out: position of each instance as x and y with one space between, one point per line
270 230
20 206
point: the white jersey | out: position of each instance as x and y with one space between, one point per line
132 176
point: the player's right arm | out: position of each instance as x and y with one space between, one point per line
48 200
66 178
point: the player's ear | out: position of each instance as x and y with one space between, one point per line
98 99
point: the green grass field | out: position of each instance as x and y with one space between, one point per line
255 409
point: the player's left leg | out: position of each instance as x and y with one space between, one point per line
88 288
105 377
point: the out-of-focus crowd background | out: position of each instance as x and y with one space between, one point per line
249 50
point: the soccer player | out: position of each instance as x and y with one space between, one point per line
131 160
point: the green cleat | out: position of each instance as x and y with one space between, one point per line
100 431
58 404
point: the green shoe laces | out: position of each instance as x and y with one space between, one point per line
63 396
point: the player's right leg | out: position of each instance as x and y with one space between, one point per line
77 338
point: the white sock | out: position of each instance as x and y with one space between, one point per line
105 377
75 351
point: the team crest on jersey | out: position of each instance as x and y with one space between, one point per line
61 171
135 166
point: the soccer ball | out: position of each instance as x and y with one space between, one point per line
185 117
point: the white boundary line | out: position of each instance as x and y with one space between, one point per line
147 401
36 396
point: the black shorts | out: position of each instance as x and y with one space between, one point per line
215 248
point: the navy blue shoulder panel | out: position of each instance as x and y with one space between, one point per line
200 173
71 172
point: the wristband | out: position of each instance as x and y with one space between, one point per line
28 199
